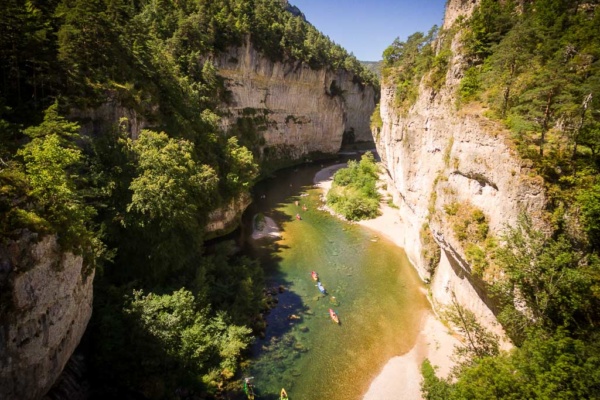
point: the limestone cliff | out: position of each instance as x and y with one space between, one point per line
225 219
298 110
46 304
441 161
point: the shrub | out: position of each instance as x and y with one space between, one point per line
354 191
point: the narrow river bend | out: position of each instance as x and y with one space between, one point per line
370 283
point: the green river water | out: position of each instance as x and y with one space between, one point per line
376 293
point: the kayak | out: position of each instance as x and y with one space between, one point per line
334 316
315 276
321 288
283 395
248 389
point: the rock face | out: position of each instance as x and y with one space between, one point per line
458 8
436 157
46 305
47 295
298 110
225 219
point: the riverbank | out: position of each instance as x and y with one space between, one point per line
401 376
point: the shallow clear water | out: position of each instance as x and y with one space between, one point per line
370 284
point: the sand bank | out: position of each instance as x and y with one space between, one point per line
401 376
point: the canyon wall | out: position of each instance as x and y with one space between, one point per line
297 110
46 303
441 159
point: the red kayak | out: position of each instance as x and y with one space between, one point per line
314 275
334 316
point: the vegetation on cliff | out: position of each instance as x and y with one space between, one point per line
353 192
535 66
137 207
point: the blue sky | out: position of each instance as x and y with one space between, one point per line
367 27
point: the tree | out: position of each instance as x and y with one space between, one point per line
479 342
171 187
51 161
589 202
165 342
242 168
547 276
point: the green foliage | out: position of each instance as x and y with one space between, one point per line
430 251
537 70
479 342
432 387
421 58
535 66
51 162
470 85
139 205
354 190
545 367
170 186
555 281
488 23
163 342
589 202
376 122
242 168
240 297
405 63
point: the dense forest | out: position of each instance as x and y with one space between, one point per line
532 66
171 317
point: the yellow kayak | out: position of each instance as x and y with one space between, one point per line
283 395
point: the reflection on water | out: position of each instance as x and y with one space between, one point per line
369 283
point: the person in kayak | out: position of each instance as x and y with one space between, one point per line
249 388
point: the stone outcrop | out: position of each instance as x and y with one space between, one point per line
225 219
458 8
298 110
46 304
96 121
436 156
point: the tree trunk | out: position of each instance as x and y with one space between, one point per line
584 107
546 120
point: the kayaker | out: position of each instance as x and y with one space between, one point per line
298 217
283 395
248 388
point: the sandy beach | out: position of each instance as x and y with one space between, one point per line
400 378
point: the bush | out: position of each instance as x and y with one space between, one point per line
354 191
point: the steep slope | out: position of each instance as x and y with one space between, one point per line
442 164
130 132
489 132
46 305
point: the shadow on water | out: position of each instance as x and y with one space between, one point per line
275 354
370 285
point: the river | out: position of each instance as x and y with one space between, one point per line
370 283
